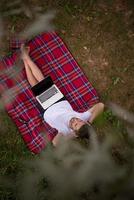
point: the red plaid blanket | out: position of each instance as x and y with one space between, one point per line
52 56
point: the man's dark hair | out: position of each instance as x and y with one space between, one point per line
84 131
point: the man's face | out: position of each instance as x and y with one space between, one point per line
76 123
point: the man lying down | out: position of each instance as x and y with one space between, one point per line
61 115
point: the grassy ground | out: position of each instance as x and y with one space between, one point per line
100 35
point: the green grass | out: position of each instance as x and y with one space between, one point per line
105 34
12 147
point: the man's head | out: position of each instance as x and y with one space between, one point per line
80 127
84 131
76 123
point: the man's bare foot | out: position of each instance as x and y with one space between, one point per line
24 51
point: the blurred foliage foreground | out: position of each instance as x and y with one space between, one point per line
99 168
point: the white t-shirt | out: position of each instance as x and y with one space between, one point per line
59 115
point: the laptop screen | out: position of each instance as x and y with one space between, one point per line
42 86
47 93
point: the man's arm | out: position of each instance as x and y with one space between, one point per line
95 111
57 139
60 136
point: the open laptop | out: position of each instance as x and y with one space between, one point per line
47 93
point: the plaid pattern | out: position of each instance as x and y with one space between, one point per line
15 43
52 56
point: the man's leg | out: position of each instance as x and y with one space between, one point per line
33 67
31 79
35 70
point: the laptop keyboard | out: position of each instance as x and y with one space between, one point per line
48 94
